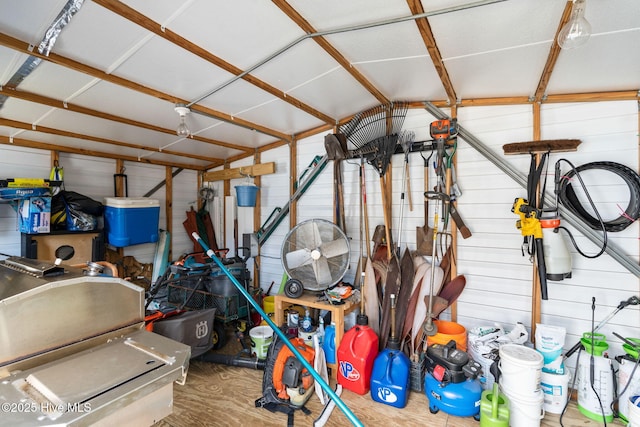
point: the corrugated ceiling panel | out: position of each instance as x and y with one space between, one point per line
10 61
332 14
615 30
29 24
392 41
89 125
501 73
77 143
242 33
97 37
23 111
124 102
398 51
236 135
54 81
419 80
281 116
165 66
161 11
613 15
502 59
296 66
200 148
335 94
511 24
235 98
569 75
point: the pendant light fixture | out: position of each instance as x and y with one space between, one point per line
183 129
577 31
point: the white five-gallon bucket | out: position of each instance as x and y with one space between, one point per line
526 412
520 369
261 337
520 373
555 388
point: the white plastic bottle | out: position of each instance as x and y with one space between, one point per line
320 330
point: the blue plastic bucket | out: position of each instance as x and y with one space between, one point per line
247 195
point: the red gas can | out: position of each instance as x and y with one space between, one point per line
356 354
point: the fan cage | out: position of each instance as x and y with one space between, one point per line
299 238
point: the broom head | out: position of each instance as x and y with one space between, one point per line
544 146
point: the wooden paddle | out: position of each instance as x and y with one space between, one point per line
452 290
391 286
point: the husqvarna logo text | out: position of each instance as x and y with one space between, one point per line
349 371
202 329
386 395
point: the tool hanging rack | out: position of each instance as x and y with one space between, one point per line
374 135
612 249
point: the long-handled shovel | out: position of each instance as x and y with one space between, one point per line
334 397
424 234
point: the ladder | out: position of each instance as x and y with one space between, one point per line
309 175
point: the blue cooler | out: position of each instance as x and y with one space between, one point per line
131 220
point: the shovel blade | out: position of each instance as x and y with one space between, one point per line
424 240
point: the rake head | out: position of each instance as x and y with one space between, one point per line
368 126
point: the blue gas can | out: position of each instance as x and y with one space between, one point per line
390 378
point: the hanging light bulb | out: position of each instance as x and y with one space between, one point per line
577 31
183 129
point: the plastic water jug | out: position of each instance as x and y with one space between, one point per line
329 343
390 378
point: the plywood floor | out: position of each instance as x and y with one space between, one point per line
220 395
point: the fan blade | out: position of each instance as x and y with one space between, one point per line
309 234
322 271
334 248
298 258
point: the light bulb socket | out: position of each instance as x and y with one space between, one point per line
182 110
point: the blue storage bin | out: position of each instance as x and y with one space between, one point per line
131 220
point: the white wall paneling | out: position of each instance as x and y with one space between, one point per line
498 276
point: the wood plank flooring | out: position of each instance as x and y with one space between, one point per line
220 395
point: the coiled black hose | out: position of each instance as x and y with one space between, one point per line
568 198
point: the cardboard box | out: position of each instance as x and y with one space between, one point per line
34 215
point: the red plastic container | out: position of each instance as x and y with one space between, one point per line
356 354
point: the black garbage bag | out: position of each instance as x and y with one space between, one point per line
75 212
82 203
